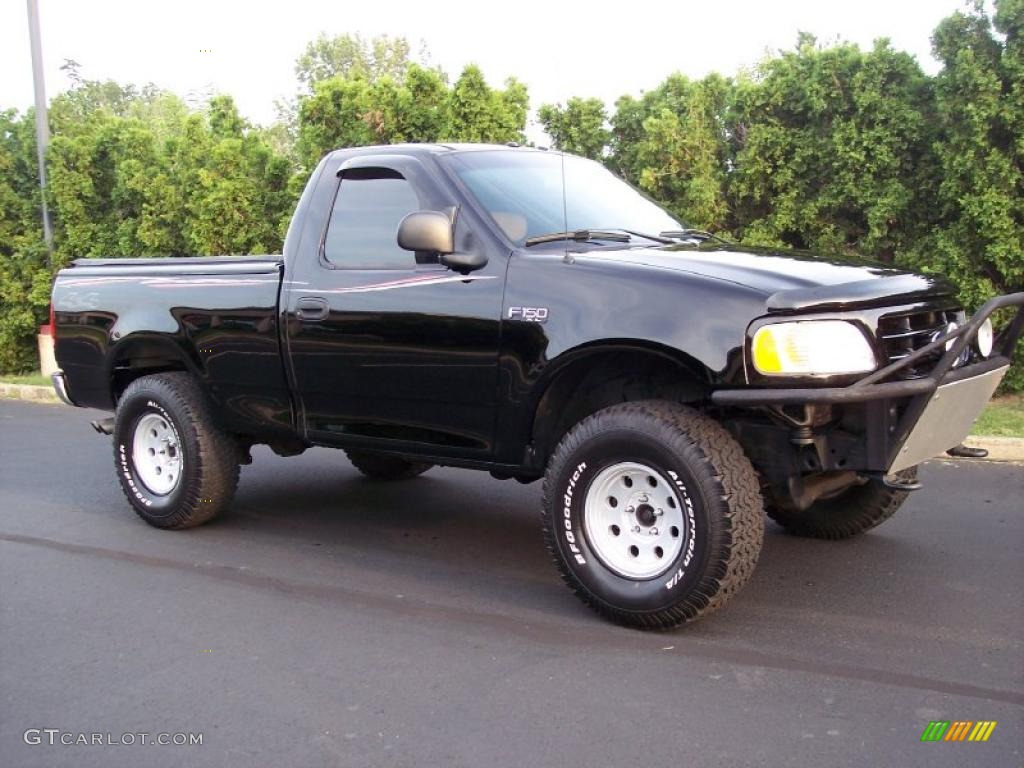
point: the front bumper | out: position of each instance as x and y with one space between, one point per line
942 406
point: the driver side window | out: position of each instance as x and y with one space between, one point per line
362 231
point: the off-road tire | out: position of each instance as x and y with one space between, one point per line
708 468
851 513
210 457
378 466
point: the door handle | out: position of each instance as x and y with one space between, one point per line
310 309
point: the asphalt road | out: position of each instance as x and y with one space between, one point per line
329 620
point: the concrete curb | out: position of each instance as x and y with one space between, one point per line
31 392
999 448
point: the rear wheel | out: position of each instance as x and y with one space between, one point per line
175 466
378 466
849 513
652 513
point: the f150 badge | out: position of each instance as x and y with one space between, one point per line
528 314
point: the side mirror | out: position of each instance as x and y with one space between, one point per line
432 232
429 231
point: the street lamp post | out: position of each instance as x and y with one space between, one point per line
42 124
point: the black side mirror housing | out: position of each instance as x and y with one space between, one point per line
433 232
464 262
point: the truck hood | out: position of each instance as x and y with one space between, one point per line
791 281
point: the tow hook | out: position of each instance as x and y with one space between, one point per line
897 484
104 426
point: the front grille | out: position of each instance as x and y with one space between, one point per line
901 333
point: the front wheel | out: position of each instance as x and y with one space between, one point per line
652 513
176 467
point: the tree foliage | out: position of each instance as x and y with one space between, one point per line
347 56
979 200
24 271
349 111
977 232
831 148
354 56
119 188
672 144
578 127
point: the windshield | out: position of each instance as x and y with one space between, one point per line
522 191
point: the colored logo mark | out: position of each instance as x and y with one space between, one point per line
958 730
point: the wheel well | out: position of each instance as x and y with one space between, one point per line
140 358
605 377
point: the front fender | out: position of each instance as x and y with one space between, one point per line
698 321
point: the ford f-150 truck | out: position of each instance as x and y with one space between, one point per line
530 314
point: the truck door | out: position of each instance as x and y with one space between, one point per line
389 348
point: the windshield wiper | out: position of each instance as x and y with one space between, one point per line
660 238
579 236
691 234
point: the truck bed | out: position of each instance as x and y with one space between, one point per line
214 316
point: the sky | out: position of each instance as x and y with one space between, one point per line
248 49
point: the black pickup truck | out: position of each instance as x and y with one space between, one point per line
528 313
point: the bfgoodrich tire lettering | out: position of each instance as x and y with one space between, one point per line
712 478
208 457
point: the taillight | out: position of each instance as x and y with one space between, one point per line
53 322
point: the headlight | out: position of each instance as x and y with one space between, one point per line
813 347
984 338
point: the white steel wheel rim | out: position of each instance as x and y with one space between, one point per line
156 454
633 519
